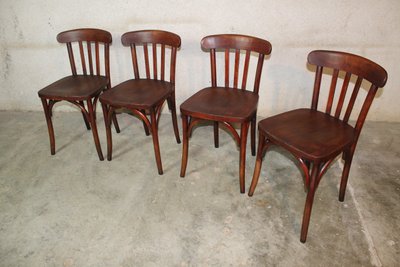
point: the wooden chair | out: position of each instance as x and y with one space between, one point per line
225 105
316 138
142 96
79 88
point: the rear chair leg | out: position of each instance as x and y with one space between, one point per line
242 160
47 113
83 115
185 147
94 129
172 107
345 175
146 129
216 134
115 122
253 136
107 122
154 133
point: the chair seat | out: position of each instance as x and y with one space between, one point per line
137 93
79 87
311 134
221 104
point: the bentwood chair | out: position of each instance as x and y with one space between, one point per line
316 138
231 103
78 88
143 96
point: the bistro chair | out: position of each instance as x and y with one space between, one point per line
87 86
316 138
230 103
145 96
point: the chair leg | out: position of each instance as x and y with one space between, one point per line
242 161
191 131
257 168
216 134
115 122
84 117
172 106
107 122
253 136
309 202
47 113
146 129
185 148
345 175
154 133
94 129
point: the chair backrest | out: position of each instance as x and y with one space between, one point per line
236 44
350 65
155 39
92 41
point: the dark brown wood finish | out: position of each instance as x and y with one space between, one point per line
145 96
316 138
228 104
79 88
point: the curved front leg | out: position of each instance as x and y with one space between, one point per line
309 201
259 158
348 157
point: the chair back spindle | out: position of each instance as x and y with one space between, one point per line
159 41
71 58
236 44
173 65
87 38
89 51
350 65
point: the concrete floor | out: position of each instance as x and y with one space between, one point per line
70 209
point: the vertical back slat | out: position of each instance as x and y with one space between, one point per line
227 67
134 61
97 58
342 95
89 50
154 61
82 57
146 60
107 62
162 62
173 64
352 99
365 107
258 73
236 75
71 58
332 91
317 85
213 68
245 69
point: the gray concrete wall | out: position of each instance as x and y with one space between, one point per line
31 58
